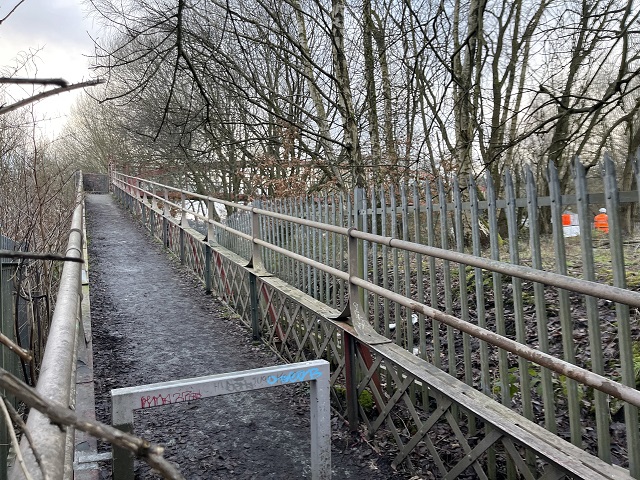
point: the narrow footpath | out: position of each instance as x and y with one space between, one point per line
153 322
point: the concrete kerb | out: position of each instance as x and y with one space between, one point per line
126 400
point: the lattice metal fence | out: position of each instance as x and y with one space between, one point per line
298 272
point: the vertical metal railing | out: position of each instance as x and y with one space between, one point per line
8 359
529 310
518 384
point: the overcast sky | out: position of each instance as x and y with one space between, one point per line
60 29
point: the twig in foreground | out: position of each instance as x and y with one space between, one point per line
14 440
17 419
38 256
59 415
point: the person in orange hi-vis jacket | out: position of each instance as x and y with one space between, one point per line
601 221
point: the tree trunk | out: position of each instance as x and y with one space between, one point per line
372 100
345 99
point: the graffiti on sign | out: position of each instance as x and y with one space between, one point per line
149 401
297 376
240 384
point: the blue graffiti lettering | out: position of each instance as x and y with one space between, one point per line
295 376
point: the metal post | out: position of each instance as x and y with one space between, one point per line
183 216
351 386
165 219
5 313
256 252
210 209
139 200
321 428
182 252
627 359
316 372
255 321
207 268
207 249
165 232
358 222
122 459
183 223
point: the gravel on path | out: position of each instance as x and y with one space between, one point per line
153 322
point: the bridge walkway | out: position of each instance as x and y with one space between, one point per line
153 322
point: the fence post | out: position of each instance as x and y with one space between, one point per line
566 325
358 222
152 213
546 383
183 223
207 247
636 170
165 219
622 313
256 250
351 386
141 198
257 269
350 359
122 459
255 321
585 218
5 355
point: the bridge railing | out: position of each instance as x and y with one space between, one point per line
266 266
57 377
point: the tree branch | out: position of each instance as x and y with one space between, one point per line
14 440
60 82
12 10
38 256
21 352
17 419
48 93
62 416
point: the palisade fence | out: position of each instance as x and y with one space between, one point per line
457 343
8 359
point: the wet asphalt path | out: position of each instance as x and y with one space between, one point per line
152 322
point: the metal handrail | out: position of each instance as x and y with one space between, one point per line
586 287
598 382
58 370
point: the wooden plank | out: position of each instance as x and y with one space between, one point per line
474 454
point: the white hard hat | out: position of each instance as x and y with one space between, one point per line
603 210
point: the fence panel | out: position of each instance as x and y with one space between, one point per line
494 313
